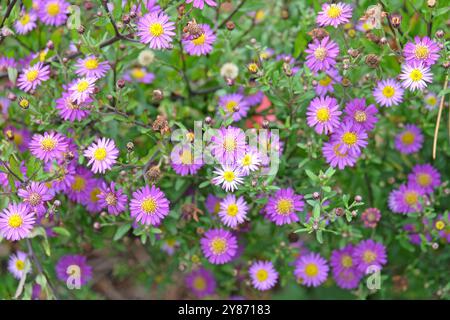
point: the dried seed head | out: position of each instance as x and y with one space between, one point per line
161 124
193 29
372 60
153 174
318 33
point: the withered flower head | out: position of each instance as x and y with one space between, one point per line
193 29
190 211
372 60
160 124
153 174
318 33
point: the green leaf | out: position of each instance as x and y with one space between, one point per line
61 231
319 236
316 211
204 184
121 231
15 167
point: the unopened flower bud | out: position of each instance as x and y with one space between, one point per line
130 146
81 29
339 212
50 45
126 19
431 3
358 198
99 13
24 103
56 203
265 124
353 53
372 60
88 5
97 225
435 245
230 25
395 19
383 41
208 120
316 195
440 34
120 83
9 134
158 95
12 96
285 13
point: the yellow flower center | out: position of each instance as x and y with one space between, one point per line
186 157
424 179
20 265
232 210
262 275
82 86
247 160
347 261
18 139
78 184
53 9
200 40
369 256
91 64
421 52
137 73
388 91
42 55
32 75
349 138
408 138
228 176
440 225
15 220
325 81
217 207
367 26
100 154
111 199
149 205
260 14
252 67
230 105
320 53
24 19
34 199
323 114
48 144
311 270
411 198
334 11
229 143
94 194
199 283
218 245
24 103
284 206
360 116
156 29
416 75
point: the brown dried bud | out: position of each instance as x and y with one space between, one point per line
293 237
190 211
372 37
353 53
181 9
285 13
193 29
346 82
69 156
395 19
81 29
158 95
153 174
88 5
287 69
230 25
120 83
161 125
372 60
130 146
318 33
126 19
400 283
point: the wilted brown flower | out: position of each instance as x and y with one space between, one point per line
374 15
190 211
161 125
395 19
153 174
193 29
372 60
318 33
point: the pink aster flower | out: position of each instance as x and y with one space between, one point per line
234 105
323 114
370 217
19 264
263 275
53 12
336 158
321 54
233 210
48 146
114 200
369 253
425 176
348 279
26 22
388 93
422 50
183 160
250 161
200 3
139 75
92 202
410 140
7 62
80 90
228 145
219 246
81 184
35 195
351 137
311 270
32 76
92 67
200 45
149 206
431 101
230 177
326 82
70 265
334 14
415 76
102 155
16 221
283 207
71 111
156 30
357 111
406 199
201 282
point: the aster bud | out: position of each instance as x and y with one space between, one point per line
339 212
126 19
395 19
181 9
431 3
99 13
81 29
97 225
12 96
65 60
372 60
50 45
265 124
383 41
293 237
358 198
208 120
316 195
24 103
446 64
435 245
88 5
158 95
56 203
103 214
229 81
133 14
130 146
153 174
285 13
120 83
109 97
230 25
9 134
200 231
354 213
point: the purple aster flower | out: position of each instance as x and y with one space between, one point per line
7 62
4 106
80 90
233 210
423 50
351 137
406 199
48 146
35 195
201 282
102 155
263 275
81 185
149 206
283 206
254 99
250 161
114 201
228 145
92 202
357 111
71 111
234 105
200 3
335 158
369 253
415 76
25 23
32 76
269 144
201 45
212 204
91 67
74 268
431 101
156 30
322 54
219 246
19 265
388 93
348 279
442 225
323 114
16 221
21 138
139 75
326 82
53 12
334 14
370 217
342 259
410 140
229 177
183 160
425 176
311 270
